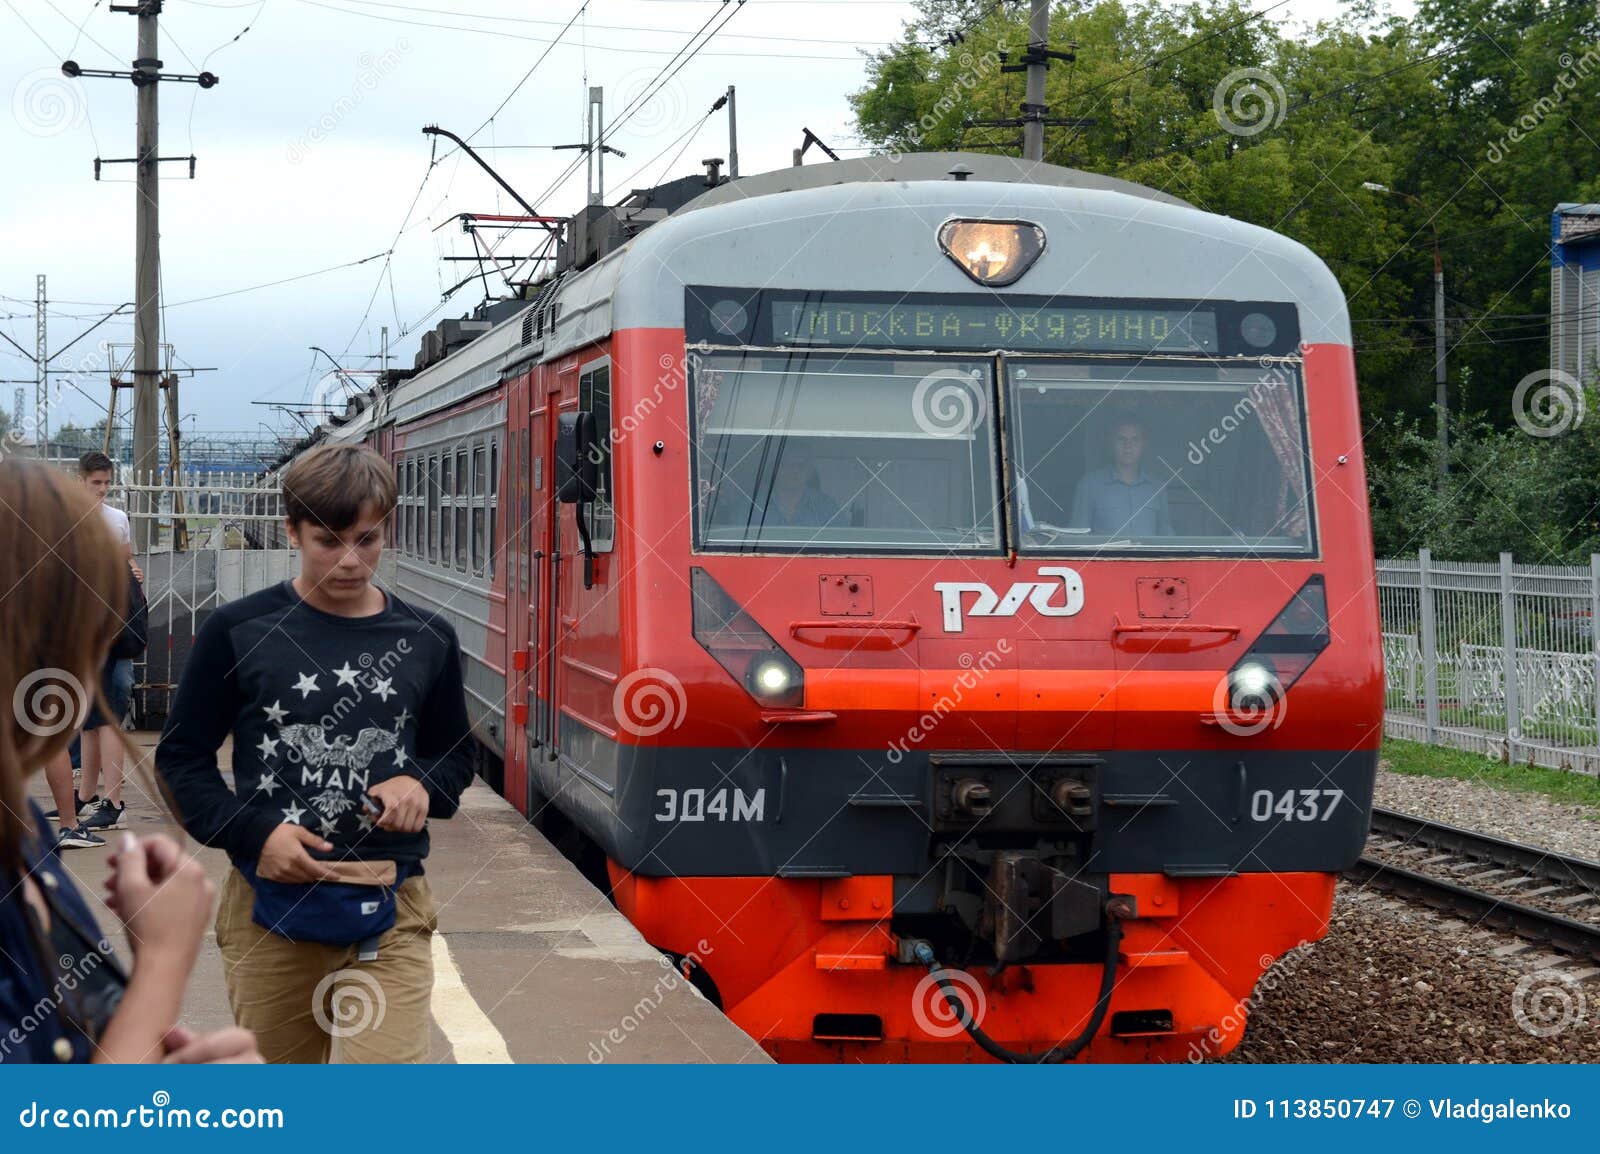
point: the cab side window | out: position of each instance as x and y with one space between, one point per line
594 396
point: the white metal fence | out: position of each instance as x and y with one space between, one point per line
201 534
1498 658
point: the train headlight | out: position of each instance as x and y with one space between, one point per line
1252 687
748 652
774 678
992 252
1258 681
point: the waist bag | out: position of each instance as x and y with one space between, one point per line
328 913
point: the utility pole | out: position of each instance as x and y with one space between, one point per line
41 378
1441 397
146 278
1036 63
1441 394
147 381
733 137
1033 106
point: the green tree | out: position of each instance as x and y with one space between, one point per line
1479 111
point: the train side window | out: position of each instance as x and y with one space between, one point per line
397 521
480 503
447 501
494 501
463 505
412 516
408 473
433 508
594 396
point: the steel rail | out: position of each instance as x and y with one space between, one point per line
1563 934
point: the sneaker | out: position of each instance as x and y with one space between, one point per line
105 816
85 808
79 838
78 805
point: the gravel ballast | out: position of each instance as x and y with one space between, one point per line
1394 982
1530 818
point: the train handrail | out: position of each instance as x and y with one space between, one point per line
797 716
1177 636
854 633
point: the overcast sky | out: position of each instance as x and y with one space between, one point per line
310 156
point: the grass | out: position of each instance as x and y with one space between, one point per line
1420 760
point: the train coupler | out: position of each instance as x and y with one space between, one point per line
1028 901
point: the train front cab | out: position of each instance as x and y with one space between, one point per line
944 646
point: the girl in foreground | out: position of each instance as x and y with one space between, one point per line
63 996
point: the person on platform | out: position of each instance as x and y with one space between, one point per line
64 996
350 730
100 744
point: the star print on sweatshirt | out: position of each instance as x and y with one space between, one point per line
321 709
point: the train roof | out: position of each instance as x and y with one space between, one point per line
913 166
804 228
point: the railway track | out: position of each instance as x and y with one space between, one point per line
1536 894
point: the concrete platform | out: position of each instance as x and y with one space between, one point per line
532 964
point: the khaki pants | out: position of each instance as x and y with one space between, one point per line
301 997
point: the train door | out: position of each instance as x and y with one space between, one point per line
511 470
545 555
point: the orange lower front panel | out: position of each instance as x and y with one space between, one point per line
809 967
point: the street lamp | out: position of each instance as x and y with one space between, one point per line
1441 400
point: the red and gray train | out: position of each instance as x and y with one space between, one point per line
934 593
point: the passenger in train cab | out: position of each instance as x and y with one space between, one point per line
795 497
349 728
1121 499
64 997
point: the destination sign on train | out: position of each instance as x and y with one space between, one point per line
982 326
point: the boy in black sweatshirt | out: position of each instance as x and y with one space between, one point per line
349 731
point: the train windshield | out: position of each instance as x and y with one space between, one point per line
826 451
1153 456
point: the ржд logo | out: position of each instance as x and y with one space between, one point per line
991 604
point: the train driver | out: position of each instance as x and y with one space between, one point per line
795 497
1121 499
